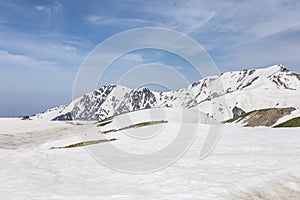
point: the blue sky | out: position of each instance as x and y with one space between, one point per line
43 43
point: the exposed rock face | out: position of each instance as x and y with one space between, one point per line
236 111
297 75
64 117
137 99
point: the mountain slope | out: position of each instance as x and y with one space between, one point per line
221 96
263 117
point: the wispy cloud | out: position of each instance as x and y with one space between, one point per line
66 51
123 22
8 59
51 10
256 19
182 17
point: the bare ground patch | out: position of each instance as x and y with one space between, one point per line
85 143
34 138
263 117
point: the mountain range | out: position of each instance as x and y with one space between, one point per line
221 97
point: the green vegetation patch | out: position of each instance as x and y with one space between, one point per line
103 123
295 122
138 125
85 143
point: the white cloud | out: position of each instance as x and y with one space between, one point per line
67 48
7 58
138 58
92 18
39 7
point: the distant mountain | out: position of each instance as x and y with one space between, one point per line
222 96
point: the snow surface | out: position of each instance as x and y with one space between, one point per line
156 114
242 157
16 133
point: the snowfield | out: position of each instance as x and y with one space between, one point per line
243 159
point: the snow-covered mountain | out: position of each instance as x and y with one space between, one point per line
222 96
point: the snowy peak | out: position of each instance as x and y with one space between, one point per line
285 79
274 76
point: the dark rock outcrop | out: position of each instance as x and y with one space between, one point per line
236 111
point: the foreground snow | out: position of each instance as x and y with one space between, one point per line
243 158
